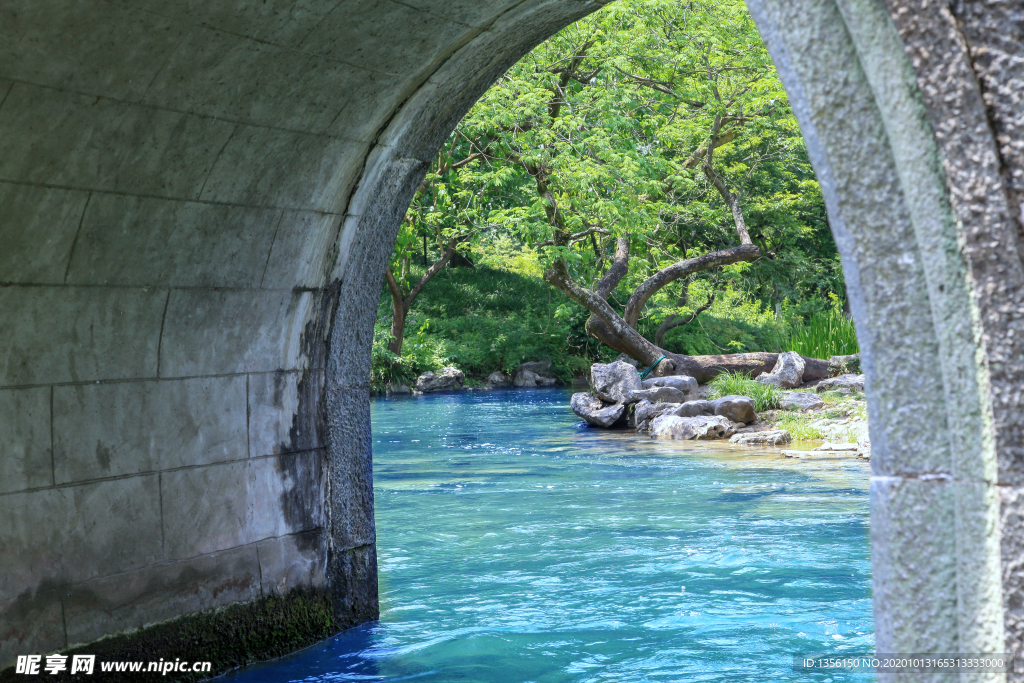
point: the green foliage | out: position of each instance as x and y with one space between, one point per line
766 396
608 116
735 323
601 128
482 320
826 334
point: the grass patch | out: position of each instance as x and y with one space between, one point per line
766 396
799 426
814 426
824 335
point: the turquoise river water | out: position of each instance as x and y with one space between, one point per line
517 545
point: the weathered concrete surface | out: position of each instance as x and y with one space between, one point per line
197 201
884 163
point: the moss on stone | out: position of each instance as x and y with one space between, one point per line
228 637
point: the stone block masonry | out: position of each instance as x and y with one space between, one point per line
197 201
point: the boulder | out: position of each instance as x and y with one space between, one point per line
623 358
664 368
527 378
645 411
694 408
736 408
796 400
614 382
594 411
659 395
687 385
703 427
864 446
399 389
498 379
445 379
541 367
770 437
854 382
787 373
841 365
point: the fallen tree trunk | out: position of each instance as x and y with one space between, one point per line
701 368
704 368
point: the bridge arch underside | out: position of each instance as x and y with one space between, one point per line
196 205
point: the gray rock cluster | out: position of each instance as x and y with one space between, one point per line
532 374
445 379
619 398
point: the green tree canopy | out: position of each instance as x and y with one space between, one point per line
640 151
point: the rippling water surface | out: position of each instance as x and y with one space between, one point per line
515 545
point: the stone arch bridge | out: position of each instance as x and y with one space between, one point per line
196 203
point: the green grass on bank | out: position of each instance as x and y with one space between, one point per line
826 334
481 320
766 396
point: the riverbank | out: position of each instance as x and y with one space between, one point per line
778 409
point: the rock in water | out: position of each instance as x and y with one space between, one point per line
855 382
498 379
527 378
533 375
645 411
703 428
736 408
771 437
660 395
594 411
796 400
445 379
787 373
614 382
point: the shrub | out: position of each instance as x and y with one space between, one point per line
766 396
481 320
388 368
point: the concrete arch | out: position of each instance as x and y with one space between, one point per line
198 203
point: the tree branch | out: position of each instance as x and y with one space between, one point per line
577 236
396 289
673 321
636 303
694 159
618 269
432 271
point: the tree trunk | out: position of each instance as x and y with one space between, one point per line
704 368
401 303
398 313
